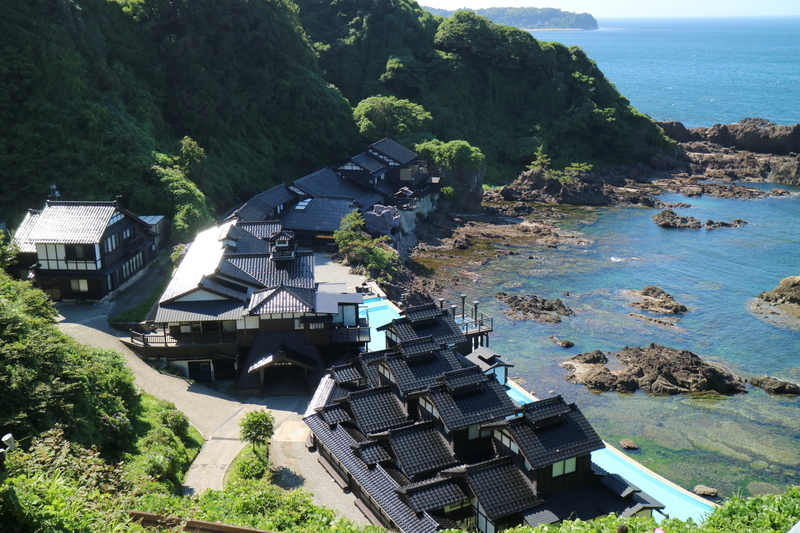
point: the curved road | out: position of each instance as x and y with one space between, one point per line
217 417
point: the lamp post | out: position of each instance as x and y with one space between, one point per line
463 304
8 440
441 303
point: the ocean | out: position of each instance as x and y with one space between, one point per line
699 72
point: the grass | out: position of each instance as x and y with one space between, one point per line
139 312
146 418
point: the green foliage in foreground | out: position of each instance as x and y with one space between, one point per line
256 504
362 251
48 378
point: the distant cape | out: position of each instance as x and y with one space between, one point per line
530 18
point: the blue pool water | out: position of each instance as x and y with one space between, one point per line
380 313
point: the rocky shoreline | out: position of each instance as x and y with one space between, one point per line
529 208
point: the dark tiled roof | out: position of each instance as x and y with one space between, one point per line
422 312
440 326
296 273
346 373
245 242
282 299
488 403
321 215
223 288
391 149
432 494
259 206
544 409
501 488
368 162
415 348
568 434
377 410
199 311
486 358
422 373
464 380
326 182
372 452
378 481
261 229
335 414
421 449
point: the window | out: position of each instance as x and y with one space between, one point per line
127 234
564 467
116 218
298 324
79 285
112 242
316 325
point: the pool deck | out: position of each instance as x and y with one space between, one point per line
653 484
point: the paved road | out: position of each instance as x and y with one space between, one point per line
215 414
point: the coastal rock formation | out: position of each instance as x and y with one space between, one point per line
776 386
787 292
534 186
752 150
628 444
655 300
669 219
656 369
531 307
750 134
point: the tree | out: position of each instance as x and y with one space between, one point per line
387 116
257 428
359 249
8 252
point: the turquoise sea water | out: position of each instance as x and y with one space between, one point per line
699 71
748 442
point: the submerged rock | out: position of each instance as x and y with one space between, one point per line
562 342
705 490
776 386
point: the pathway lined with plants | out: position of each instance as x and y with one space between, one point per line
214 414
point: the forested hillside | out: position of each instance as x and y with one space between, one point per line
186 106
530 18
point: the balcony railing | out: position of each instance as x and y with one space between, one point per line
348 334
474 322
164 338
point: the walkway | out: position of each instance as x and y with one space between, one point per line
215 414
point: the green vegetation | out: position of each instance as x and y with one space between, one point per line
184 108
257 428
531 18
48 378
364 252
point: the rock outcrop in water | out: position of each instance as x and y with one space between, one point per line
656 369
787 292
669 219
656 300
531 307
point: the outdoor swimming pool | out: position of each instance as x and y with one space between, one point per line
380 313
